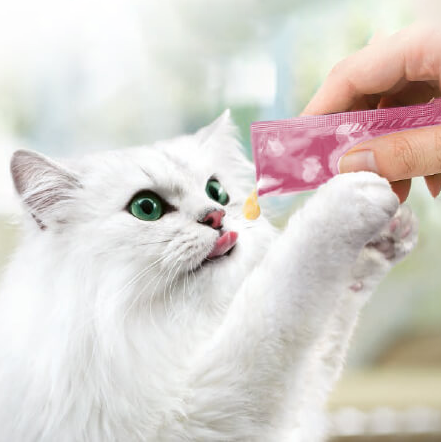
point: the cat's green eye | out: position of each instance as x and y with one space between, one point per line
147 206
216 192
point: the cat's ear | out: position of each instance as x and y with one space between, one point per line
221 126
222 138
42 184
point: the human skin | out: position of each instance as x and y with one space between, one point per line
397 70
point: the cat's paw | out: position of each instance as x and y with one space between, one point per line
362 202
399 236
396 240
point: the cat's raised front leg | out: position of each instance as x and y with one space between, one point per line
392 244
282 308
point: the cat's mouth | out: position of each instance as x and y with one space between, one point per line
222 248
223 245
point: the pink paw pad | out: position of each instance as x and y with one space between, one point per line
357 286
394 224
393 241
406 230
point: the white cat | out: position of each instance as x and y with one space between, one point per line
142 306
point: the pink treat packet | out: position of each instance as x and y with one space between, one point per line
301 153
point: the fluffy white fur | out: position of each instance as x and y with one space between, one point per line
111 331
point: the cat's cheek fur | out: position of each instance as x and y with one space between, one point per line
106 336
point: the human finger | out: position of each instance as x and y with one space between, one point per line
410 55
416 92
398 156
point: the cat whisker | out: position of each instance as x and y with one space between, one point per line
140 293
154 293
157 242
152 298
185 289
172 288
136 278
176 267
164 292
176 278
132 281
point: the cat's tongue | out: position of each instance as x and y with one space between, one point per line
223 244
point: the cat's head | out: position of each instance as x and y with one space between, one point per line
156 213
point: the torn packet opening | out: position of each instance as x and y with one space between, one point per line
302 153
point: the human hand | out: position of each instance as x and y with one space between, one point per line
399 70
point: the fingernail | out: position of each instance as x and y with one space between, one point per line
434 184
357 161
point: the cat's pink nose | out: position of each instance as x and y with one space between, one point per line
214 219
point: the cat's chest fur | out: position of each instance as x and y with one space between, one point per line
106 361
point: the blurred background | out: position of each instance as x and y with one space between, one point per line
87 75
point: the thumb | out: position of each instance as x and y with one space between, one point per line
397 156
